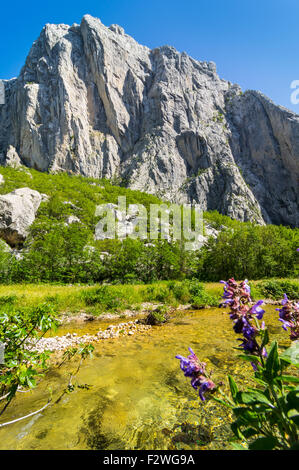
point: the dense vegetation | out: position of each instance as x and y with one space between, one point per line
250 251
22 367
55 252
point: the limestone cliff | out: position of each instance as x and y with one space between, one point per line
91 100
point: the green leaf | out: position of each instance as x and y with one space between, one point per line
265 337
254 397
260 381
293 400
249 432
245 417
272 363
236 446
291 355
222 402
288 378
249 358
295 419
264 443
236 430
233 388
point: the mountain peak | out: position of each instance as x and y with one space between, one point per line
90 100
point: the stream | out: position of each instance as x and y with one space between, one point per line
137 397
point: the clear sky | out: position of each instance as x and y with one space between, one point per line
253 42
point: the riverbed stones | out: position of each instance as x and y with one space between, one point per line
60 343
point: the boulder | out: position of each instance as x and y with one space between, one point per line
12 158
72 219
17 212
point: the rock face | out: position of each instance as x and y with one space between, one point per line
92 101
17 212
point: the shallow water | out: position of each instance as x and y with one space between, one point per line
138 396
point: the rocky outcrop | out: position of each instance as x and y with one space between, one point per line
72 219
265 144
12 158
17 213
92 101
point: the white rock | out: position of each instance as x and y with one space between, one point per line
72 219
17 212
12 158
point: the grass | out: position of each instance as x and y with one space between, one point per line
85 193
97 299
94 299
72 298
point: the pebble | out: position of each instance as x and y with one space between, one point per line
59 343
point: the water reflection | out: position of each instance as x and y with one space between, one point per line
138 399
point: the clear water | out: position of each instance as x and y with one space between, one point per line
138 396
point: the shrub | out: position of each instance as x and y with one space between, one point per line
157 316
23 366
205 300
159 293
8 299
275 289
105 297
195 288
180 291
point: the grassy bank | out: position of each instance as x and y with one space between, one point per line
72 299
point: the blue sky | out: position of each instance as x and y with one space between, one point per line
253 42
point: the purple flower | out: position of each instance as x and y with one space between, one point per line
285 324
239 325
249 331
289 317
247 287
249 345
202 384
192 367
238 297
285 299
207 385
257 311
